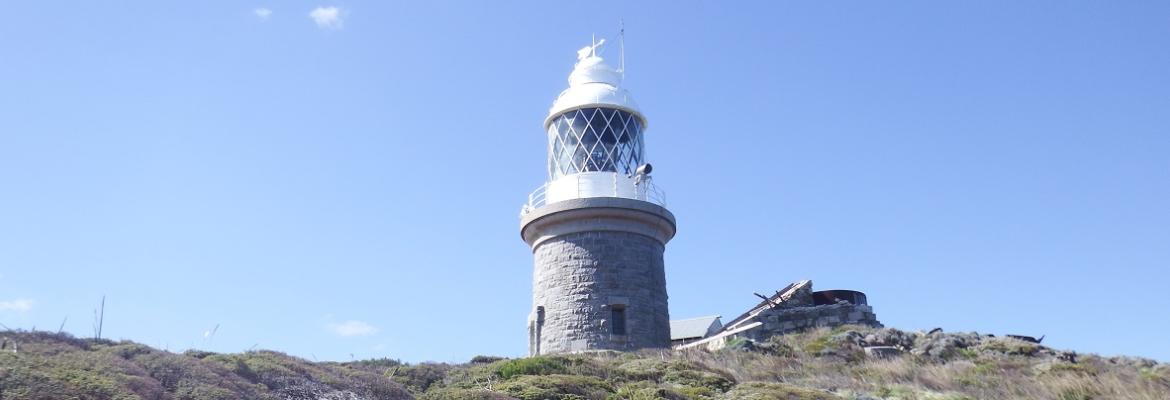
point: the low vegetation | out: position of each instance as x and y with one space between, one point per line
818 365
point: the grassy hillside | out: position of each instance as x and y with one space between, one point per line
822 364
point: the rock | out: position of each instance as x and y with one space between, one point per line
1135 362
882 352
1014 347
846 345
890 337
943 345
1029 339
847 337
770 347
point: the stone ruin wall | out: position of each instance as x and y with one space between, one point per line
782 320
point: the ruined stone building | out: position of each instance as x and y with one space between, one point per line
792 309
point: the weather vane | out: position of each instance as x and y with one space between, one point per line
590 50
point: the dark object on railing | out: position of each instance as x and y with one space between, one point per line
825 297
644 169
1028 339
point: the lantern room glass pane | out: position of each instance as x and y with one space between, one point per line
594 139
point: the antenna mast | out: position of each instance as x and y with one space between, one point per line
622 47
98 319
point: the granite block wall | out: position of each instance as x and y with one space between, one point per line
782 320
578 281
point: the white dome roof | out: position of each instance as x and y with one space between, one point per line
593 84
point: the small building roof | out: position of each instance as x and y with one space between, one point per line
692 327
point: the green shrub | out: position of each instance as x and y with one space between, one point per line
200 354
420 377
697 393
817 345
532 366
556 387
678 373
486 359
699 379
641 369
375 365
645 391
969 353
128 350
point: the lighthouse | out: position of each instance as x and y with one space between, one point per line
598 226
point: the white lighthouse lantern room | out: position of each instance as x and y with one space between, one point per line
595 138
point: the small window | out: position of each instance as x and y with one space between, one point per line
617 313
540 314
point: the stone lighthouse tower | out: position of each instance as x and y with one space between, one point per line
597 227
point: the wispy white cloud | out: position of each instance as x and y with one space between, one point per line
327 17
262 13
19 305
351 328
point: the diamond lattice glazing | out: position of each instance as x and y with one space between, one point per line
594 139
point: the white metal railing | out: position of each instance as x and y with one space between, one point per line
642 189
653 194
535 199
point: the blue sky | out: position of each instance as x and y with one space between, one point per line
347 183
